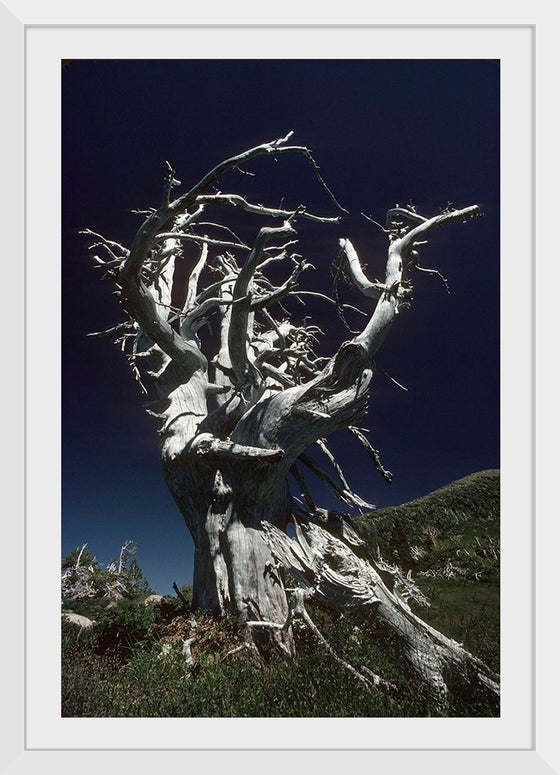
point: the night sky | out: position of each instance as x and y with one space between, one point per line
382 132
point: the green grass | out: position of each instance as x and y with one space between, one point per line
468 612
146 685
107 676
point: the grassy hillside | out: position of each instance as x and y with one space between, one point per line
451 533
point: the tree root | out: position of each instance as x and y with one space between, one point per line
297 609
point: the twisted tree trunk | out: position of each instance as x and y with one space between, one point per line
235 425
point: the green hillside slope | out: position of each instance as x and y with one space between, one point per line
451 533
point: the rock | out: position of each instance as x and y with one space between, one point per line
82 621
153 600
112 604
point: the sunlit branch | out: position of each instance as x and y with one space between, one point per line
258 209
209 446
237 336
200 240
373 453
192 284
275 147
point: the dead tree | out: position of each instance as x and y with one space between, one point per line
234 423
90 580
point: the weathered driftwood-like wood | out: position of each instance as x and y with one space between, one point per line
235 422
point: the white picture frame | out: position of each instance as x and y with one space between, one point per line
35 734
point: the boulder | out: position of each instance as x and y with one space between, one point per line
81 621
153 600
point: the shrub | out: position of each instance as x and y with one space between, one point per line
130 625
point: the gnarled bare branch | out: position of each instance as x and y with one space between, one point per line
373 453
206 445
342 491
258 209
239 320
368 288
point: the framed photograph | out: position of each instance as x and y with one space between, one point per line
92 91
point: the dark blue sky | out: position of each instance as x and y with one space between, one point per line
382 132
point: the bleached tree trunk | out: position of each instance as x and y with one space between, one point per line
234 425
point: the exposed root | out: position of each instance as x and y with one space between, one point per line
297 609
